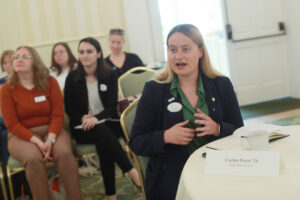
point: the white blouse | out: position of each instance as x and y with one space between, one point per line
61 79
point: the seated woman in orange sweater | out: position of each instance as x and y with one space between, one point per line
32 108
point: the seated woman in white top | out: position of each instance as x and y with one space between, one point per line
62 62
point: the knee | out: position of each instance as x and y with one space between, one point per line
64 154
104 133
33 162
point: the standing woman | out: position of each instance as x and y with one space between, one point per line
192 106
91 95
32 107
119 60
62 62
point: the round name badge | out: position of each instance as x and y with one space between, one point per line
174 107
103 87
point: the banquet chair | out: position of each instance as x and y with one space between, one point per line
2 166
81 151
3 186
13 167
141 162
132 82
86 151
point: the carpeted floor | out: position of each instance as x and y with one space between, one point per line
288 121
93 188
270 107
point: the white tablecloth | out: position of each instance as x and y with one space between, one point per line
194 184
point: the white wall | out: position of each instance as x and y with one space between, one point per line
60 20
143 29
292 16
42 23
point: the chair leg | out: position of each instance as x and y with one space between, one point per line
130 157
3 184
11 189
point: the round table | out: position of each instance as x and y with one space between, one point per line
195 184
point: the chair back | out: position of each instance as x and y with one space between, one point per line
132 82
141 162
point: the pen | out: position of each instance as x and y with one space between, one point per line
278 138
211 148
204 154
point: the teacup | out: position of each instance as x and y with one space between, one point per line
256 140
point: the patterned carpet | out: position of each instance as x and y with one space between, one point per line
93 188
285 118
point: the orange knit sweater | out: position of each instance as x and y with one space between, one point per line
23 109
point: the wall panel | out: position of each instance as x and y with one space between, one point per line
42 23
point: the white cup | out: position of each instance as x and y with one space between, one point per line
256 140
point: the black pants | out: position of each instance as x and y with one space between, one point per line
109 151
3 143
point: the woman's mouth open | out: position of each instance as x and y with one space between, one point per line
180 65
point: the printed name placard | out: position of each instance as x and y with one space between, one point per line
242 163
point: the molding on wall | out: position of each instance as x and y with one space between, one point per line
68 40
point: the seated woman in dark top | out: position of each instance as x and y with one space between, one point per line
119 60
91 95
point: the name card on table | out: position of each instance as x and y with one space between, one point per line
243 163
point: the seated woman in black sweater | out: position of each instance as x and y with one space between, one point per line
119 60
91 95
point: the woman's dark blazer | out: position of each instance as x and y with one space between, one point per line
153 118
76 97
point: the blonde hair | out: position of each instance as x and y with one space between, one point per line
4 54
41 75
189 30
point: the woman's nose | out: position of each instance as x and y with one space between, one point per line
178 55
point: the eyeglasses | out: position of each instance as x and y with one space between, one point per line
24 57
116 31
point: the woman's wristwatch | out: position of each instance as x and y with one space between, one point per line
51 140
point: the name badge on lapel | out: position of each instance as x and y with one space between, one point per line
39 99
171 99
174 107
103 87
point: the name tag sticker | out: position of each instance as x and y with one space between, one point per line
103 87
174 107
243 163
39 99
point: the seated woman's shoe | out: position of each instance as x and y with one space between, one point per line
112 197
135 179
